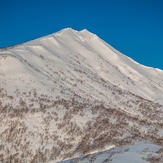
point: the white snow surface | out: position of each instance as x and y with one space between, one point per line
69 49
69 92
129 153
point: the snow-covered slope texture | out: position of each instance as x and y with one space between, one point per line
68 52
70 94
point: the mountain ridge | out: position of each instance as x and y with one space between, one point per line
71 94
127 67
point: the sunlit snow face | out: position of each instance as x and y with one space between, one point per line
3 67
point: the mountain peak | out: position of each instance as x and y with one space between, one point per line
84 30
68 29
71 94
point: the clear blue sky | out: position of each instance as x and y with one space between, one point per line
134 27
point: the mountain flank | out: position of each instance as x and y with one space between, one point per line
71 96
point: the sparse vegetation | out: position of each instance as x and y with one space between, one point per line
108 126
60 106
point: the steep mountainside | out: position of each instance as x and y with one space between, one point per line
70 94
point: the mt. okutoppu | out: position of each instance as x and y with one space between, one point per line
69 51
70 94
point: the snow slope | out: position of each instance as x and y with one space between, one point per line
70 94
64 50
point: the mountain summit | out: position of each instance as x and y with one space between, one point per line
70 94
70 46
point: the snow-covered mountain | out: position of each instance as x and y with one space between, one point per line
70 94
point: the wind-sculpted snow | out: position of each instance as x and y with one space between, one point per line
69 94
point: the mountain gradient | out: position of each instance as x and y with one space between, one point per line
70 94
